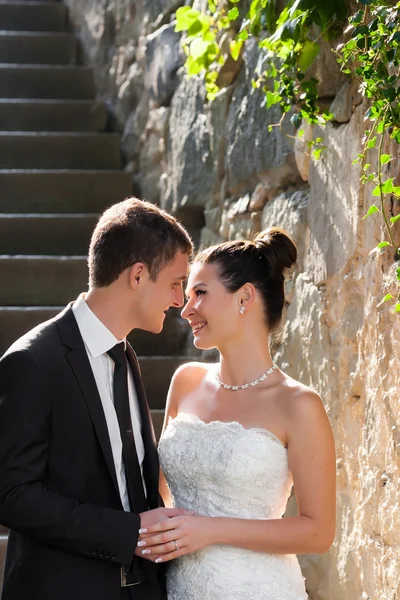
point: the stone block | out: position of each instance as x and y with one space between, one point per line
333 210
189 182
251 148
289 210
164 57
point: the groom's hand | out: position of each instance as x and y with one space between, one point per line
157 515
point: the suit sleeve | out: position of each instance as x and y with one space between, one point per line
26 505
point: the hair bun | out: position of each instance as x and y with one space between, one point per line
276 245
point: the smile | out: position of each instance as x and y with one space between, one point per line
198 326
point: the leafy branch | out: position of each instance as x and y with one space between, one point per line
290 39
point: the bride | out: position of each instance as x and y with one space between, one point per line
237 435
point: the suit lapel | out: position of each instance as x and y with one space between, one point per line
150 463
80 365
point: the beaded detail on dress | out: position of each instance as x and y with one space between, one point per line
224 469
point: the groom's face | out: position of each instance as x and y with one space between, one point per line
166 291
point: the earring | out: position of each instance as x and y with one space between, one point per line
242 310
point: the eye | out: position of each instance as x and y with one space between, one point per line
200 292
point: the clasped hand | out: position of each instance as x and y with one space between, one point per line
174 537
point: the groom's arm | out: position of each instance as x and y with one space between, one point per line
26 505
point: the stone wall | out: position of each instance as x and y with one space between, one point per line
219 169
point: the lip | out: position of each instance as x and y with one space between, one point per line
196 327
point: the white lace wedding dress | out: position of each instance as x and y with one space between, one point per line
223 469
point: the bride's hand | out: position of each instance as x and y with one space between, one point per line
175 537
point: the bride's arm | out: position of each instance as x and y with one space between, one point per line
311 454
312 461
171 410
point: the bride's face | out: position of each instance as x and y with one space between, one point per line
211 310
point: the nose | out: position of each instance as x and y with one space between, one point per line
179 299
187 310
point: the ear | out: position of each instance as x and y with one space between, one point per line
247 295
136 274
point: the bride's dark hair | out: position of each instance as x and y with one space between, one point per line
262 262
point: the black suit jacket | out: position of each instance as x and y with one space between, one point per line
69 534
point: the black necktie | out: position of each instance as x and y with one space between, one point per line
133 473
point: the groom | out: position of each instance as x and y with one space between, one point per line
78 461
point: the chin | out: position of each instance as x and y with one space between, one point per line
154 327
202 344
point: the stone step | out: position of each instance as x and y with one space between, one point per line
41 280
37 48
63 82
157 373
157 417
25 150
33 16
52 115
49 234
15 321
62 191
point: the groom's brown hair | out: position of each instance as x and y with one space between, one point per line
134 231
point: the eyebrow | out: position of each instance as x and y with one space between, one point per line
196 285
181 278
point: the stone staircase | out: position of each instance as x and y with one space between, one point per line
59 169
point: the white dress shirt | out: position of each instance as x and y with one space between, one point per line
98 340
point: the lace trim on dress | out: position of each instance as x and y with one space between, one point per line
182 416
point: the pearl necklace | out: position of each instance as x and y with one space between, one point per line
235 388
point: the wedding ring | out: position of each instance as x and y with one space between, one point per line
176 545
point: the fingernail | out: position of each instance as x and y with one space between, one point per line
158 560
146 551
141 543
143 530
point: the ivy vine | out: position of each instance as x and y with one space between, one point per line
290 38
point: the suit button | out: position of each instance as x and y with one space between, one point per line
112 556
95 552
107 555
101 553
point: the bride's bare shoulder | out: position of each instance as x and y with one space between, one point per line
191 373
187 378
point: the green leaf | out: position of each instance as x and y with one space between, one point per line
387 186
397 308
296 120
385 158
185 17
308 54
233 13
272 98
243 36
383 245
371 143
199 48
398 273
372 210
195 28
388 297
394 220
235 48
317 153
376 191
